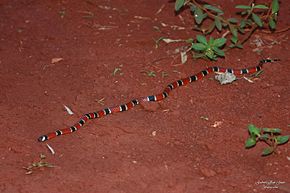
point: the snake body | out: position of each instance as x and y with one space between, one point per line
158 97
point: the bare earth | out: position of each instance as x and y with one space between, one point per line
162 148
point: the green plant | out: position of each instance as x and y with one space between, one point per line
249 18
271 136
210 49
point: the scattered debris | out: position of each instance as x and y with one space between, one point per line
258 42
249 80
165 110
149 73
118 70
217 124
101 101
41 163
55 60
204 118
50 149
104 27
206 172
164 74
160 9
87 14
142 18
104 7
62 13
168 40
181 19
68 110
183 57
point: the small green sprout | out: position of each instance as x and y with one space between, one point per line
210 49
271 136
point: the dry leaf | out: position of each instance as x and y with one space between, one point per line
69 111
183 56
55 60
167 40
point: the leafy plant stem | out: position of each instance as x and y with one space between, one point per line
245 38
212 16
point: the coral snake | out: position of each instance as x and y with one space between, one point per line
158 97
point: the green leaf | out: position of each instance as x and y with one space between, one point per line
234 39
261 7
218 23
233 30
218 51
192 8
272 130
201 39
275 6
282 139
198 46
265 136
211 41
250 142
267 151
199 15
233 20
257 20
245 12
219 42
213 8
243 7
272 24
179 4
242 23
253 130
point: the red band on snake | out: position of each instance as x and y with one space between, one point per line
158 97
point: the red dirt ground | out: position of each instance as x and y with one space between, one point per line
164 148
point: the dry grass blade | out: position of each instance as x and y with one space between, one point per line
50 149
